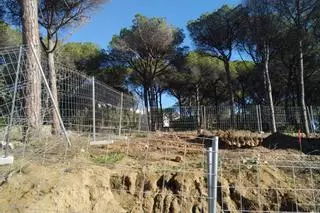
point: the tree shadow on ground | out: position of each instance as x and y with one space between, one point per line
309 146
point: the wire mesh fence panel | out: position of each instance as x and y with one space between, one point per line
165 175
87 103
255 118
268 182
149 173
16 95
25 125
41 159
315 118
142 172
75 99
287 118
211 118
87 106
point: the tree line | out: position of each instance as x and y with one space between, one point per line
276 43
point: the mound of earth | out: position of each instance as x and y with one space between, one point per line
162 174
309 145
54 188
95 189
245 139
234 139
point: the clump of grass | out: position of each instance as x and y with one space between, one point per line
141 135
109 158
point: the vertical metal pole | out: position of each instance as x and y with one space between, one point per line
258 120
213 175
312 119
93 110
309 118
204 117
56 108
13 105
121 106
139 122
210 189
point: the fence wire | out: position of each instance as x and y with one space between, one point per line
268 181
158 172
255 118
115 112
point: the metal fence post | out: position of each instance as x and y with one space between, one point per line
139 122
93 110
213 175
55 106
121 108
201 117
13 105
312 119
204 118
258 118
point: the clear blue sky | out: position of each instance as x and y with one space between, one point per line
118 14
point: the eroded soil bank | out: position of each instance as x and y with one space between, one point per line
161 174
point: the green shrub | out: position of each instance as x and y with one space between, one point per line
141 135
112 157
187 123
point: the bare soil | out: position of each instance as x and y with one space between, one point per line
161 173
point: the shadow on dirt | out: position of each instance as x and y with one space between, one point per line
309 146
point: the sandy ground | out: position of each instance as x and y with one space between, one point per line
163 172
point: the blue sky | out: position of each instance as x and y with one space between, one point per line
118 14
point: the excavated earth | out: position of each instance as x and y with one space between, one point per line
162 173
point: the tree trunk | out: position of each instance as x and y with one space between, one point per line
33 90
243 106
230 90
216 108
156 108
152 109
289 95
145 95
297 88
269 89
161 109
215 96
180 104
55 128
302 95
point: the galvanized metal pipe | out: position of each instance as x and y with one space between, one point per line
56 108
93 110
13 105
121 108
213 175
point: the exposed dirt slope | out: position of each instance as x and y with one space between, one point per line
162 174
